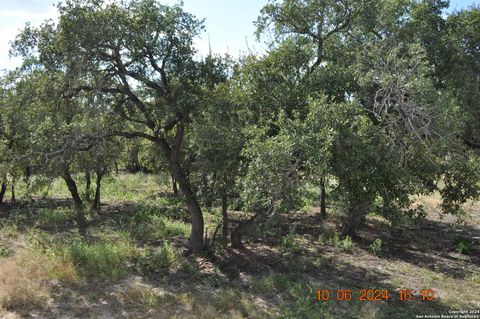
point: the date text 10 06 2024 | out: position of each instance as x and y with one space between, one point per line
375 295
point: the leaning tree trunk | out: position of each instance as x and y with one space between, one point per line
3 190
172 155
323 195
196 216
72 187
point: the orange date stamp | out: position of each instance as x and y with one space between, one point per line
375 295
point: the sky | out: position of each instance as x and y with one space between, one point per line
229 23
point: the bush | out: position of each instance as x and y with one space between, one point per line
329 236
289 246
463 247
346 244
376 246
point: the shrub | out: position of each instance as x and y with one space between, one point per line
376 246
329 236
463 247
289 246
166 257
346 244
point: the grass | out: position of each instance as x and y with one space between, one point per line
103 260
55 218
43 261
25 277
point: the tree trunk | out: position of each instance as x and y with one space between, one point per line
243 228
88 184
72 187
3 190
172 154
116 167
13 192
356 216
196 216
248 226
28 174
323 205
225 219
174 185
98 183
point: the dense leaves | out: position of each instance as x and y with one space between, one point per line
375 101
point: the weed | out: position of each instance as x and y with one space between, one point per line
4 251
106 261
346 245
25 277
376 247
9 230
474 278
462 246
55 218
140 297
329 236
162 260
289 246
305 305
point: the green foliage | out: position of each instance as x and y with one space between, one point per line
463 246
56 218
345 244
4 251
329 236
103 260
461 182
289 245
376 246
305 305
163 260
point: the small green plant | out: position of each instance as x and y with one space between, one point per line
289 246
474 278
463 247
303 306
4 251
106 261
55 218
329 236
158 261
346 244
376 246
166 257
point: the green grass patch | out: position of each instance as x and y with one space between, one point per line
55 218
101 260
